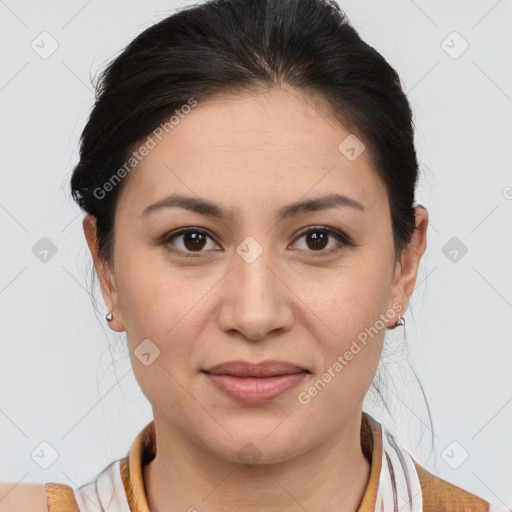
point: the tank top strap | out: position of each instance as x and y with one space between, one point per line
61 498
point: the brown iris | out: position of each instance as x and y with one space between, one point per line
318 238
194 241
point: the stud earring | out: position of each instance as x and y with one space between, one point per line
400 321
109 316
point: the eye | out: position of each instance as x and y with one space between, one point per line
317 239
192 240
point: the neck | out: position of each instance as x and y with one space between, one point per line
184 476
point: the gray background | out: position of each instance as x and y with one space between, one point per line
65 377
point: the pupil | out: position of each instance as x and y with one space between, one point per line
316 237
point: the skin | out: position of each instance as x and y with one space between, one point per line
15 496
252 155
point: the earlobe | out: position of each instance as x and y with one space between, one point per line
398 298
105 276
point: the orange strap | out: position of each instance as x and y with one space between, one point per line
61 498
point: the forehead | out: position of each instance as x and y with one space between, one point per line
274 146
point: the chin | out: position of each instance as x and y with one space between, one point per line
256 444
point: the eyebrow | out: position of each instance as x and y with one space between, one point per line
206 207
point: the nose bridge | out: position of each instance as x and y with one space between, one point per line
252 267
256 303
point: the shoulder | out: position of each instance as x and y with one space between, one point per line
28 497
47 497
442 496
411 480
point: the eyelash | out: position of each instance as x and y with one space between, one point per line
343 240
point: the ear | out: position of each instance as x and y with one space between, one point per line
406 270
105 275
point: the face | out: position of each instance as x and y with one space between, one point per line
315 287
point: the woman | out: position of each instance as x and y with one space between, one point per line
248 175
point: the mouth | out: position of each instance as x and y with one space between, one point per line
264 369
255 383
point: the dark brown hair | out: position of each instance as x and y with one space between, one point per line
225 46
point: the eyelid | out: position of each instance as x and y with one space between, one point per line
342 238
167 237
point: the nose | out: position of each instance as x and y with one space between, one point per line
257 303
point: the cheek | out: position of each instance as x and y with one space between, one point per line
349 361
163 307
351 323
147 289
352 299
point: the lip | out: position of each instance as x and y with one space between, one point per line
255 383
267 368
